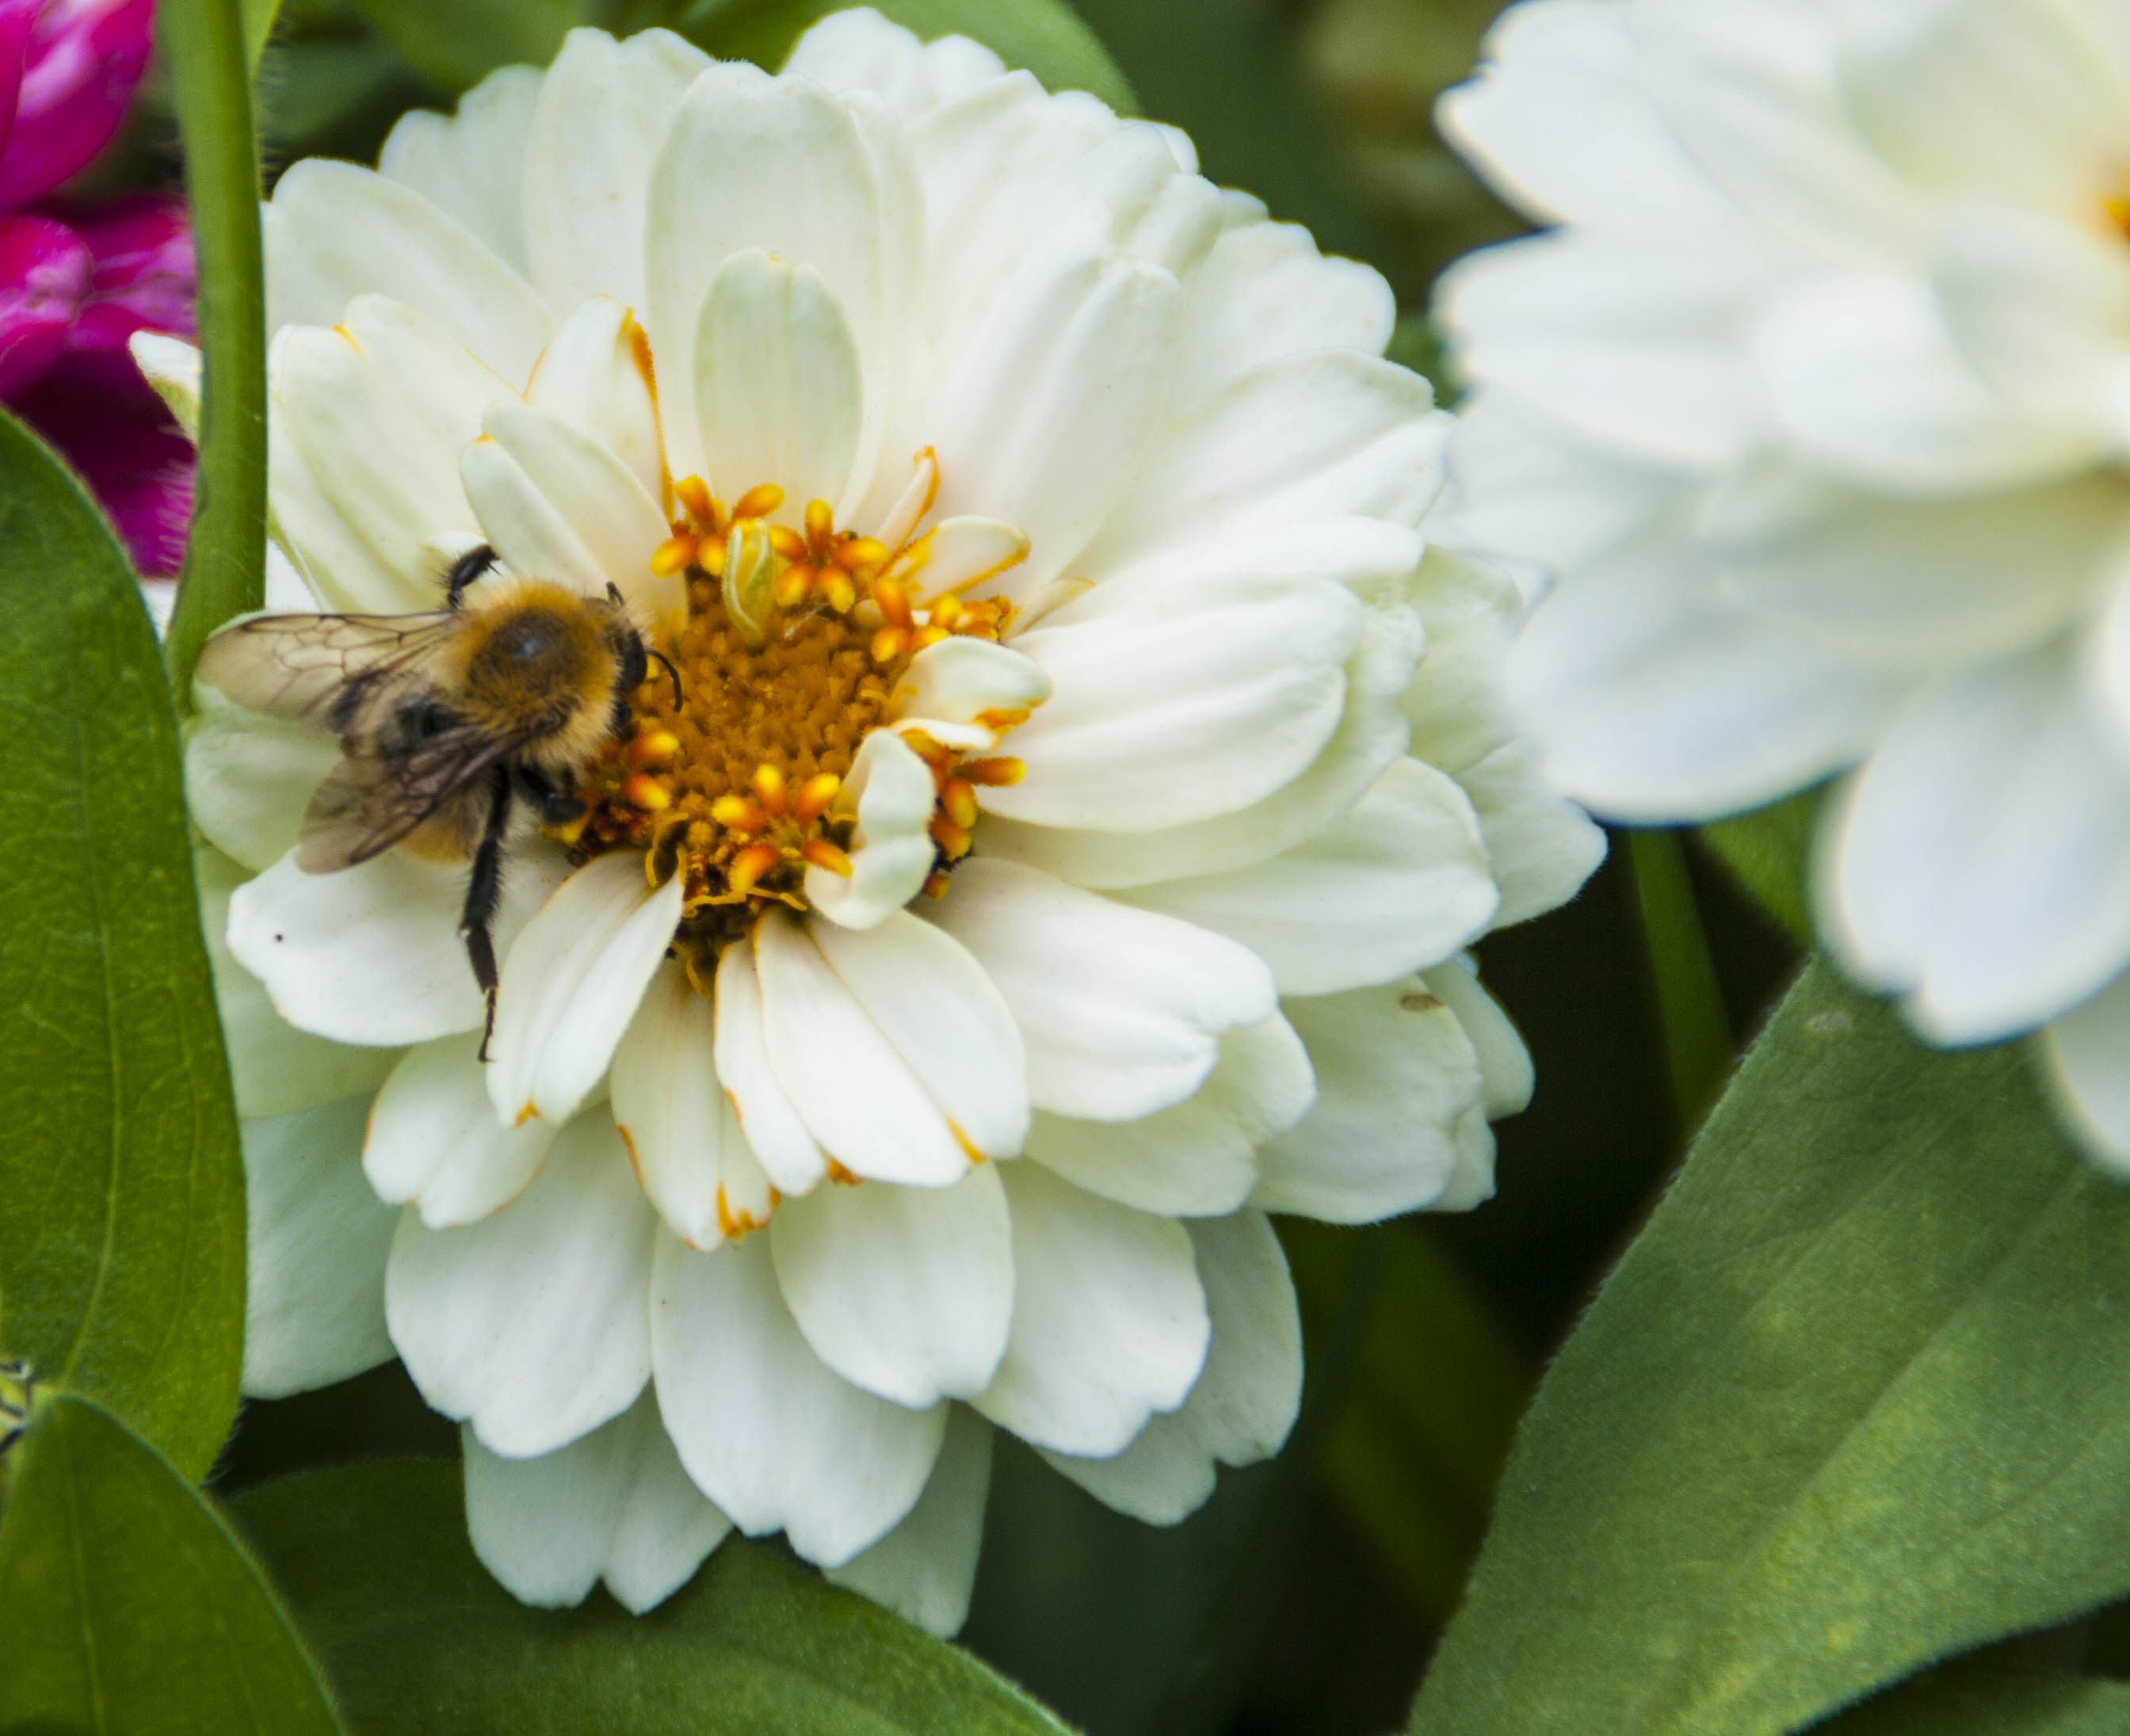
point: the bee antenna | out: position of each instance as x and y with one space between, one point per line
660 658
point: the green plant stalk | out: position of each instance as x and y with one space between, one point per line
203 44
1697 1033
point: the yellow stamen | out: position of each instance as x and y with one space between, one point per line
750 864
758 501
994 773
675 554
815 795
647 793
693 494
822 854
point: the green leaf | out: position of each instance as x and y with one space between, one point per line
416 1637
129 1605
1697 1034
1969 1701
121 1195
1856 1399
1770 851
1045 37
457 46
203 43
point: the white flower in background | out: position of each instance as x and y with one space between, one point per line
1059 851
1815 403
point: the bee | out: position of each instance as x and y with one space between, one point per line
450 722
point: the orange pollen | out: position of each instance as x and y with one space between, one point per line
732 771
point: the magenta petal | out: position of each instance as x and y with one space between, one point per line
144 277
17 18
45 273
85 57
127 448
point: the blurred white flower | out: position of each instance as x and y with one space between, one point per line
1815 402
1057 855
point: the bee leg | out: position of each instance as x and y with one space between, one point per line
555 806
468 567
483 893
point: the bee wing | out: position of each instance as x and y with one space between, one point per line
321 669
369 802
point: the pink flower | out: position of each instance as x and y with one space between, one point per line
78 279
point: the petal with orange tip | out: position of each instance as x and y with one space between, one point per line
958 680
891 850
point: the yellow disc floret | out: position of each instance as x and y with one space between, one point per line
733 770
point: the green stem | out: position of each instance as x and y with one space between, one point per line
1696 1033
203 43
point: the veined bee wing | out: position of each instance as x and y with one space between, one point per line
320 669
369 802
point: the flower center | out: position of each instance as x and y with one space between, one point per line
731 771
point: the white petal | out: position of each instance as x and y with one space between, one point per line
1520 484
172 366
334 231
772 1128
1401 882
859 50
1263 293
1636 343
906 1292
1371 735
1558 124
1199 1158
382 461
470 164
891 850
1043 421
2038 303
779 390
682 1134
613 525
2086 1050
1543 846
433 1139
596 375
1917 579
839 1070
315 1241
248 778
1121 1009
945 1018
1108 1319
1244 1403
273 1068
1506 1075
1981 863
570 983
373 954
603 112
1181 702
1868 383
2020 98
782 166
1653 699
1395 1072
612 1503
765 1429
924 1568
533 1325
964 681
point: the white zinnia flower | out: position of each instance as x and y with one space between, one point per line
1814 402
851 1119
